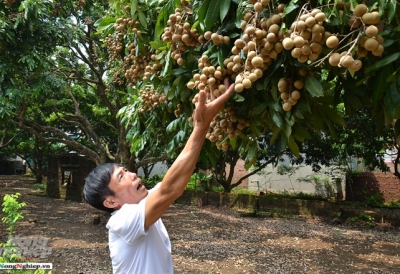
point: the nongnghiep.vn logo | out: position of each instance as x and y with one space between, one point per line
35 266
28 247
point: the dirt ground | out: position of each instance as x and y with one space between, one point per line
210 240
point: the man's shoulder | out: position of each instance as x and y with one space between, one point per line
126 212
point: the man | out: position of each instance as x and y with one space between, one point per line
138 240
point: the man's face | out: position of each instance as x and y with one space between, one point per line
127 187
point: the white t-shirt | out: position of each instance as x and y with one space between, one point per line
134 250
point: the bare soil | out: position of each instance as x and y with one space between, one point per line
211 240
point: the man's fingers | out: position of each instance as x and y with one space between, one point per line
202 98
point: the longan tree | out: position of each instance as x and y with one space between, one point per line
292 64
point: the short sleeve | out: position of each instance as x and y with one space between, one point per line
128 222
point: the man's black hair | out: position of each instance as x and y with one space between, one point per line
97 188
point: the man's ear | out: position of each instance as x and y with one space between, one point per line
110 202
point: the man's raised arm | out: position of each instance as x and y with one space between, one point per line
177 177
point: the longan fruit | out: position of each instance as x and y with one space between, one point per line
378 51
334 59
370 18
295 95
284 96
320 17
292 101
298 84
258 7
246 83
282 85
300 25
252 77
287 106
191 85
302 58
251 55
354 22
310 22
239 87
276 19
257 61
239 43
371 44
274 28
332 42
360 10
314 12
356 65
361 52
296 53
346 61
305 50
371 31
250 30
298 41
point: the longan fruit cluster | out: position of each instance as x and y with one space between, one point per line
346 60
153 67
260 43
307 35
9 2
210 79
215 38
178 110
369 21
361 16
290 92
259 5
136 67
125 25
114 46
226 124
369 41
151 99
180 34
80 5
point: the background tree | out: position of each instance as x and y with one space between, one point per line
293 63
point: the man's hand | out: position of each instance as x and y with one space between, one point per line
205 113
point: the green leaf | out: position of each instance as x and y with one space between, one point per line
134 5
224 8
392 99
332 115
203 11
290 7
391 6
381 85
287 129
397 128
172 126
385 61
104 22
300 133
161 22
332 130
251 156
167 64
294 148
278 120
142 19
313 86
212 14
259 109
275 135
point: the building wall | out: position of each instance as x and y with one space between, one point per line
368 185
